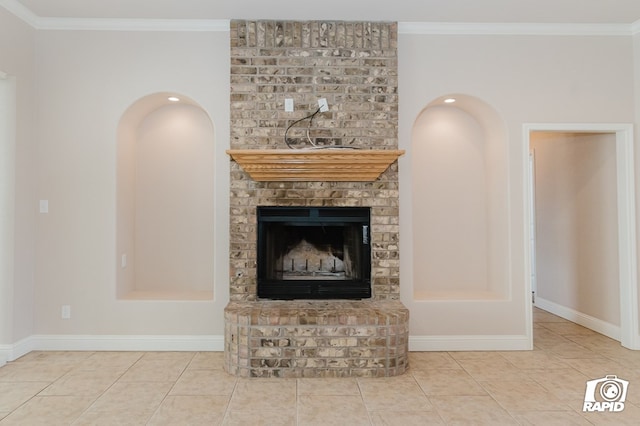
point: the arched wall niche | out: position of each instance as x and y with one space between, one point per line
165 200
460 210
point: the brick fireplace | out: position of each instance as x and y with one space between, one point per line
354 66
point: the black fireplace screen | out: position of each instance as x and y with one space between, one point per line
314 253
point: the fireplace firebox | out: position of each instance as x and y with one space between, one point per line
314 252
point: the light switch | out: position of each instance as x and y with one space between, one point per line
44 206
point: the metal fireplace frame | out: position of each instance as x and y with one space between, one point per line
279 289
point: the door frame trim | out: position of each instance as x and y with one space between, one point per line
625 182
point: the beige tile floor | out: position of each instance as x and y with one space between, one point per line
544 387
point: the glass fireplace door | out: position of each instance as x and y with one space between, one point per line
315 253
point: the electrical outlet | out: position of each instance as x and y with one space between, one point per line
65 312
288 105
324 106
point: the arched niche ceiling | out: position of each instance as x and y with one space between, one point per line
459 199
165 207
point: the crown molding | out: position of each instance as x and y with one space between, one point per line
424 28
85 24
462 28
20 11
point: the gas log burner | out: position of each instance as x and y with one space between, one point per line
314 253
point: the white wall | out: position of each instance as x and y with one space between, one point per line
87 80
17 56
577 223
7 204
636 92
526 79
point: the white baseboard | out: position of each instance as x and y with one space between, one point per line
470 343
16 350
45 342
595 324
5 351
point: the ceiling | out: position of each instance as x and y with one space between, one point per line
461 11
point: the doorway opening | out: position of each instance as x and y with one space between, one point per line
581 218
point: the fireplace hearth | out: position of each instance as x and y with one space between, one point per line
314 253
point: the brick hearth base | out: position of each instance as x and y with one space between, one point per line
316 338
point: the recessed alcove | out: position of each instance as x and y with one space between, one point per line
165 201
459 168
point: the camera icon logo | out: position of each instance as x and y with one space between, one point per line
605 394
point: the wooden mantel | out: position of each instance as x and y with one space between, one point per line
337 164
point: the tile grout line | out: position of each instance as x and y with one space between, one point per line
171 388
